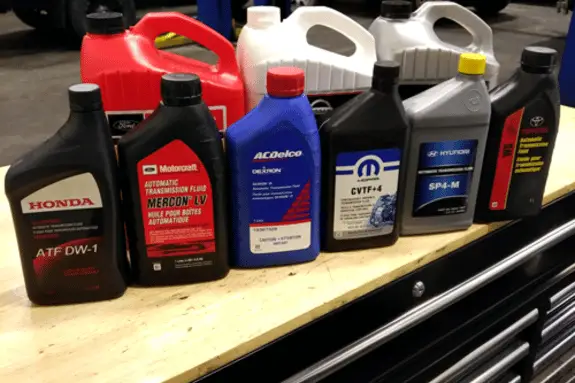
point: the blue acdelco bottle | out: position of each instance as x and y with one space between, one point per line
275 157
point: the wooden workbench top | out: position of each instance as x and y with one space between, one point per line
176 334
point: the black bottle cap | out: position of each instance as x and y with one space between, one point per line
396 9
85 97
181 89
385 73
105 23
542 59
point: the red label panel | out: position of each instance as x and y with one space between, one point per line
176 202
505 161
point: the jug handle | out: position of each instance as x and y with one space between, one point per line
154 24
308 17
479 29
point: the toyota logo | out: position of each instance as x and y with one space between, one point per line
536 121
432 153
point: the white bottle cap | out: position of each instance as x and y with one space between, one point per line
262 16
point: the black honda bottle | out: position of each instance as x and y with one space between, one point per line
522 132
65 203
173 180
362 168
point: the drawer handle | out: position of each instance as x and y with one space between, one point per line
502 365
559 323
554 352
562 295
486 350
413 317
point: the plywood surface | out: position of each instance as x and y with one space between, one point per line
175 334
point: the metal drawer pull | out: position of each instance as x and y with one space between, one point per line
554 352
558 324
413 317
500 366
515 379
486 350
557 374
566 293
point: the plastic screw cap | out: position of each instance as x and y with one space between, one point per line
285 82
85 97
386 70
180 89
472 63
263 16
539 57
396 9
105 23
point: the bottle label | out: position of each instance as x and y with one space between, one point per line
444 177
121 122
519 179
280 215
365 193
177 203
64 234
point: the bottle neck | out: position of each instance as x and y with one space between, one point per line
470 77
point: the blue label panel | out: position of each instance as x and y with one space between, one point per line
365 193
444 177
281 194
447 154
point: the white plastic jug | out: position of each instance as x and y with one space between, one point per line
425 59
330 78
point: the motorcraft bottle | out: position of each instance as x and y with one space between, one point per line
65 203
362 145
522 133
426 60
174 185
449 125
274 155
331 78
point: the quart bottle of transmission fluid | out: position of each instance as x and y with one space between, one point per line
449 125
65 202
522 133
173 180
362 145
274 155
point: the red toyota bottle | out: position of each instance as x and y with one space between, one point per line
127 66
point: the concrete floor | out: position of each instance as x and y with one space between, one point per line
36 69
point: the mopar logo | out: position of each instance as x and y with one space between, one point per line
536 121
368 168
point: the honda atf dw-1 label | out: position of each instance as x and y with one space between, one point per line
444 175
280 217
523 153
177 205
65 221
365 193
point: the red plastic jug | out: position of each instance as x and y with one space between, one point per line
127 66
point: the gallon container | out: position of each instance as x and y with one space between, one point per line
425 59
128 67
362 144
173 183
274 155
331 78
65 204
524 125
449 125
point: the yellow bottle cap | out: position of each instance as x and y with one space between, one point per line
472 63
